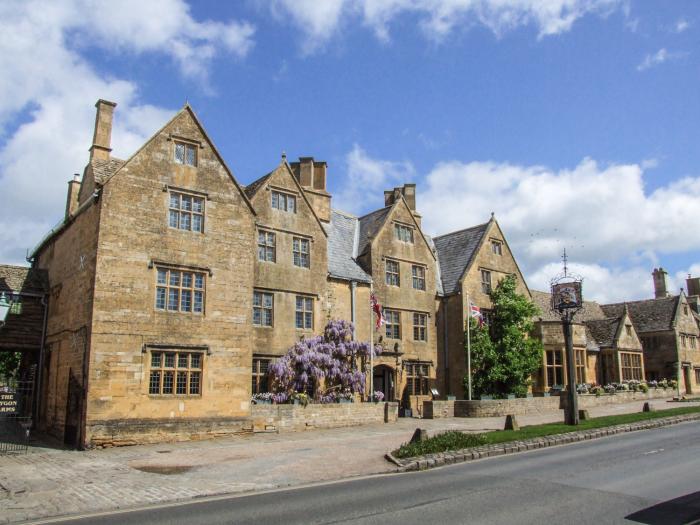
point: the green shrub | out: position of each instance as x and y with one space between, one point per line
451 440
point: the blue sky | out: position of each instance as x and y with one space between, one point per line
576 121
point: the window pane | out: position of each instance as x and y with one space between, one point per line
309 304
181 387
257 316
173 219
257 299
299 320
175 200
180 153
198 302
167 382
162 276
199 281
195 360
194 383
173 299
267 318
186 280
182 360
267 300
308 318
160 298
275 200
156 359
191 155
154 383
185 221
197 204
186 301
169 360
174 278
186 202
197 223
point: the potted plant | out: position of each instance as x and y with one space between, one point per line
263 398
378 396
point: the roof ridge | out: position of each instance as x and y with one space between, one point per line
375 211
462 230
344 213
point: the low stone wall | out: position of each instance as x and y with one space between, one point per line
121 432
591 400
289 418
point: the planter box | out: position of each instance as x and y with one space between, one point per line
486 398
344 401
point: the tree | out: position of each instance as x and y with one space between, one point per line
503 355
330 364
9 365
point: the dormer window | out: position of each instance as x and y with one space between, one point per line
185 154
403 233
284 201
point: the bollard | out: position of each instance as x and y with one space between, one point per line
647 407
511 423
419 435
583 415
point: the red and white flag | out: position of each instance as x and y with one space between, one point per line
475 312
377 309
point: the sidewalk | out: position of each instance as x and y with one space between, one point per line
51 482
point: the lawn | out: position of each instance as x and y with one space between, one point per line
454 440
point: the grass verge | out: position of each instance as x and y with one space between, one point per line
454 440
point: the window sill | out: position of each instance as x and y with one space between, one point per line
174 396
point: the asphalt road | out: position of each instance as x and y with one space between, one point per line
650 477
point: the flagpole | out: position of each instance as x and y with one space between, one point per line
469 348
371 345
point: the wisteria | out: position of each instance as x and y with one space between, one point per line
330 365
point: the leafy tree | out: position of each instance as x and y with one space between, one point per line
331 364
503 355
9 364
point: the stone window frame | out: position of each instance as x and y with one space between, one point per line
305 314
418 274
267 246
259 377
392 272
496 247
281 200
263 308
417 377
628 329
486 281
392 323
630 366
301 252
404 233
168 363
684 340
420 327
189 154
580 364
194 287
697 376
554 368
183 212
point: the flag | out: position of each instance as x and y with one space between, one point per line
475 312
377 309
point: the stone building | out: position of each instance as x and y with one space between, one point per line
668 329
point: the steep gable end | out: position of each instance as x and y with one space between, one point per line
455 253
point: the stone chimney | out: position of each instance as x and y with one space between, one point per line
102 138
409 194
311 175
660 282
693 285
72 199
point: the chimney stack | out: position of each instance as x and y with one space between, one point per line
72 199
660 282
693 285
102 138
311 175
408 191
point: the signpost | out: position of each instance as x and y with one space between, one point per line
567 300
9 403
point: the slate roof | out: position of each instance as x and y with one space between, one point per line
604 331
343 234
455 252
104 169
650 315
438 275
590 311
252 188
369 226
23 279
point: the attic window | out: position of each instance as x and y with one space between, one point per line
497 247
628 329
284 202
403 233
685 309
185 154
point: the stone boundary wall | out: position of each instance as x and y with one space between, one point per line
513 447
532 405
122 432
290 418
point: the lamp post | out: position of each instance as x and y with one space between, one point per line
567 299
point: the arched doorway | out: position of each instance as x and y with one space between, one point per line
384 381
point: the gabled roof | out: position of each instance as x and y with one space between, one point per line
438 275
455 252
343 233
104 169
591 310
604 331
370 224
23 279
650 315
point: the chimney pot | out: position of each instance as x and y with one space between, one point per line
102 137
660 289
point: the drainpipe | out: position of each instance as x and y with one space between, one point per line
444 347
39 385
353 288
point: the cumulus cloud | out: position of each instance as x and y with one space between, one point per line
658 58
681 25
438 18
366 180
47 89
614 230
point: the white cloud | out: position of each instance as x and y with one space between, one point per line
614 231
681 25
366 180
658 58
320 21
50 87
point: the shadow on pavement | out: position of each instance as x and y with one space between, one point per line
683 510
